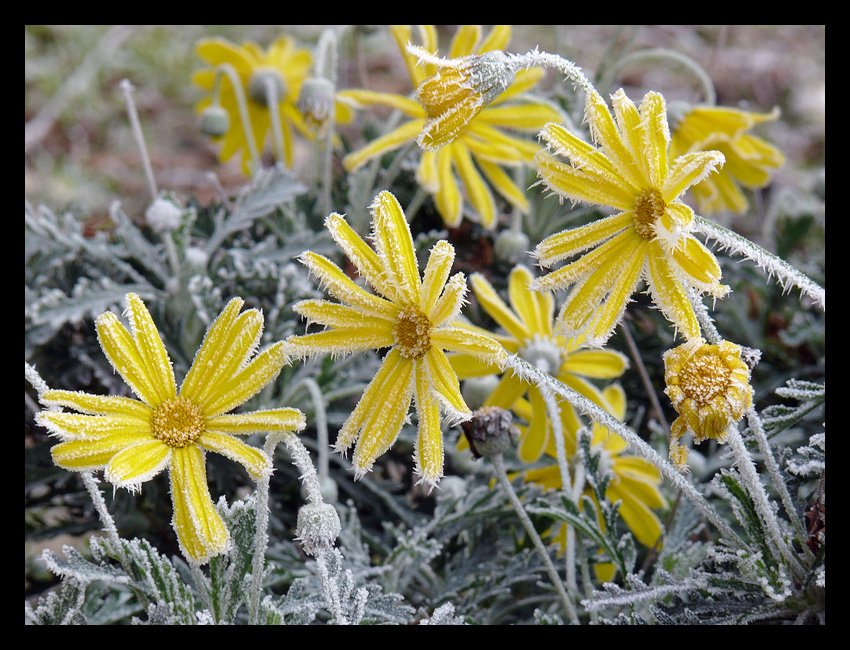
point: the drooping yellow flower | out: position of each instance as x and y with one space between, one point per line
283 64
135 439
635 483
648 238
749 159
413 316
709 386
529 332
460 174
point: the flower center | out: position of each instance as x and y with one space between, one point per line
412 332
703 377
543 353
178 422
258 85
649 207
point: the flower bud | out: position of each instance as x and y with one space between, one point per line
490 431
163 215
214 121
316 100
317 526
511 246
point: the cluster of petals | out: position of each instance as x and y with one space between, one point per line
134 439
412 315
648 238
460 174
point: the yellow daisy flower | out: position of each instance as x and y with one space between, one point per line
709 386
529 332
749 159
648 238
412 316
461 173
135 439
285 65
635 483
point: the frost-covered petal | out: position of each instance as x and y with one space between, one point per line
459 339
697 262
71 426
120 348
688 170
604 131
252 459
343 288
248 381
668 293
282 419
567 243
444 385
533 442
503 184
380 426
331 314
428 453
151 348
581 184
96 404
532 307
137 463
653 113
200 530
394 245
448 307
629 125
93 453
436 273
598 364
341 341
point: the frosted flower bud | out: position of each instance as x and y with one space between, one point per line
490 431
163 215
458 91
316 100
511 245
476 390
317 526
214 121
258 85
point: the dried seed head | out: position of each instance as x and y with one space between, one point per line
490 431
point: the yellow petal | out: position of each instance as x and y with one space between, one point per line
448 307
476 189
448 199
343 288
567 243
492 303
444 384
605 133
204 365
120 348
360 253
504 185
218 50
653 113
507 392
79 455
96 404
582 185
532 312
598 364
74 425
697 261
428 453
151 348
282 419
379 146
689 170
342 341
643 523
465 40
533 443
394 245
669 295
252 459
200 531
437 271
247 382
332 314
138 463
458 339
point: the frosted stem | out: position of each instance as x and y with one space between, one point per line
128 88
773 265
532 374
277 127
547 60
502 477
242 104
261 542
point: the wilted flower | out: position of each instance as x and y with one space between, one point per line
135 439
648 238
412 316
749 159
709 386
460 174
529 332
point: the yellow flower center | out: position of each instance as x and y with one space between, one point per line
649 207
703 377
412 332
178 422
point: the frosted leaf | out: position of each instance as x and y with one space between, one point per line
444 615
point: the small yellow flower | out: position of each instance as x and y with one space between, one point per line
529 332
135 439
749 159
709 386
412 316
635 483
460 174
282 64
649 237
